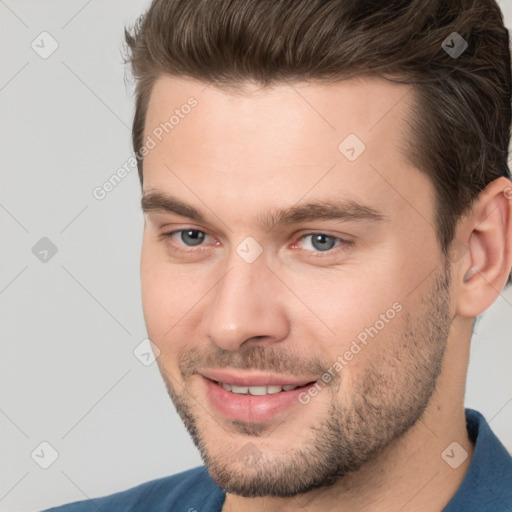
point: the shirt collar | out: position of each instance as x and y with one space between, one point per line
487 484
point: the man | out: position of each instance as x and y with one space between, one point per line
327 210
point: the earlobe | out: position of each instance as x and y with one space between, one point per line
486 267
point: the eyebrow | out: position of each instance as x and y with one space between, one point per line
345 210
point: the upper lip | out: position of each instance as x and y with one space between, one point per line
254 379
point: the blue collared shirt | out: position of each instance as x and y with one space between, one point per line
486 487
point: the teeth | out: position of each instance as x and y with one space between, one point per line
256 390
240 389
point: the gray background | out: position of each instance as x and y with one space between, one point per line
69 325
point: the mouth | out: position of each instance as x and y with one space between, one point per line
255 398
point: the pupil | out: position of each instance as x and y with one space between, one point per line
322 240
192 237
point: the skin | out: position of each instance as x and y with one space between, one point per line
378 428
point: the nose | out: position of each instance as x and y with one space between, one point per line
246 307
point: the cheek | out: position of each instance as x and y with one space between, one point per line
161 295
170 296
358 316
350 301
161 309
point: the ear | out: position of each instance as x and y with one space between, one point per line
486 232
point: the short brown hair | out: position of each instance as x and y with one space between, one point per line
460 125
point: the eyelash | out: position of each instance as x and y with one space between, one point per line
313 253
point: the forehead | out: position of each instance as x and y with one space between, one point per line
267 146
366 106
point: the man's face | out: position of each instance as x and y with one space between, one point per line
262 291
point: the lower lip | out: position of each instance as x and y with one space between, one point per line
251 408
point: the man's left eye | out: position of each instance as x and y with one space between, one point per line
322 242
